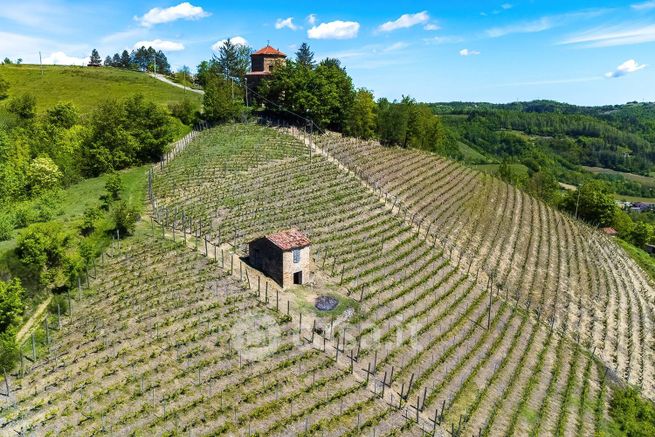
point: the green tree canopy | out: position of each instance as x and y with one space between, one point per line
23 105
233 60
592 202
305 56
11 304
95 60
51 253
43 175
218 101
361 117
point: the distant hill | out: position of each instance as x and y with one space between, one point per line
558 137
85 86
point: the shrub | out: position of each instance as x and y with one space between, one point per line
91 216
124 218
634 415
6 227
43 174
4 89
24 106
183 111
62 115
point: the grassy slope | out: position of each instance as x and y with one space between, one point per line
646 181
75 200
85 86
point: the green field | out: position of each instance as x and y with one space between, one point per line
646 181
493 168
86 86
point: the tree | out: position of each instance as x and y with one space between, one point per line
218 102
51 253
233 61
123 133
634 415
125 59
114 186
95 60
116 60
183 111
108 61
361 119
641 234
43 174
304 56
4 89
11 304
63 115
593 202
124 217
24 106
7 61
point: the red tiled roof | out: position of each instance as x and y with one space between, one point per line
289 239
610 231
268 50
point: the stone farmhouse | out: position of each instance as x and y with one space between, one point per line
283 256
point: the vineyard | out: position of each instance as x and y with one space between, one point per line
473 308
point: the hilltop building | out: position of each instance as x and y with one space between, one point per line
262 63
284 256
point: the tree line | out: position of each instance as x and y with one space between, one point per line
142 59
303 89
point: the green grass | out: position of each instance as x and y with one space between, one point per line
493 168
74 200
86 86
641 257
470 154
646 181
634 198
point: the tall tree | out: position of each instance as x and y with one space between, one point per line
233 61
361 115
221 101
95 60
125 59
304 56
108 61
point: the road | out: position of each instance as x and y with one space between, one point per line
170 82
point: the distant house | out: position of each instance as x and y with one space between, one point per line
610 231
262 63
284 256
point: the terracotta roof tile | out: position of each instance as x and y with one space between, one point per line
289 239
268 50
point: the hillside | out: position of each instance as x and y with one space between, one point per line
558 138
86 86
407 242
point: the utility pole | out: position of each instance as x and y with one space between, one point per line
246 92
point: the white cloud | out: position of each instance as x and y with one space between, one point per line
61 58
431 26
236 40
159 44
467 52
543 23
183 11
287 22
643 6
334 30
396 46
311 19
615 36
444 40
506 6
405 21
629 66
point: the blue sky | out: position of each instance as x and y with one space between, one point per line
583 52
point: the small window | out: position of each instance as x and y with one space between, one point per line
296 255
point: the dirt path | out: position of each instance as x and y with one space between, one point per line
170 82
36 317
